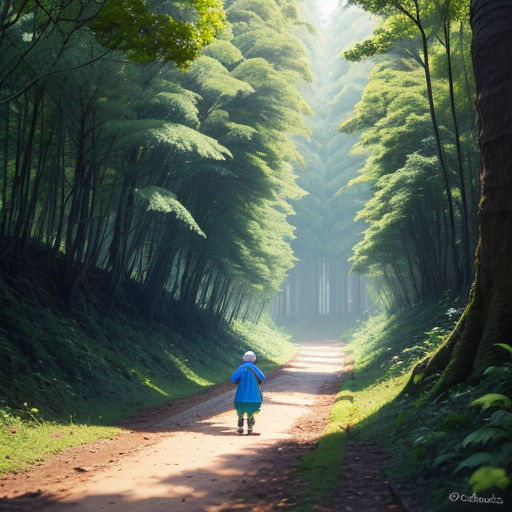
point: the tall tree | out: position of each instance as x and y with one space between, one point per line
487 320
320 283
131 168
402 40
416 13
405 248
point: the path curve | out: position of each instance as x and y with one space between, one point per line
201 464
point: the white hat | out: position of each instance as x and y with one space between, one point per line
249 356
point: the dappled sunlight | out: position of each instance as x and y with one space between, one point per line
177 178
202 460
187 371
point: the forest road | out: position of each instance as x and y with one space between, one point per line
200 463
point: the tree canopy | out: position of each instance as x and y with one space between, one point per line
156 157
417 108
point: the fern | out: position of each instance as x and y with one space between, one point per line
477 459
492 400
502 419
444 458
484 435
508 348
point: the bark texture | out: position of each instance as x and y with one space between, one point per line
487 320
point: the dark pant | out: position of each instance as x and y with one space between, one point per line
249 408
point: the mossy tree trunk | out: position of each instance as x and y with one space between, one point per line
488 317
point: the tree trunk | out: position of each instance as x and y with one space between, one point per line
440 153
471 138
466 257
470 349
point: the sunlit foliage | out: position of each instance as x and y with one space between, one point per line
417 121
115 158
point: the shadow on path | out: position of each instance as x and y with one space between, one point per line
202 465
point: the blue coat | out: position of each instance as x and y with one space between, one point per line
248 390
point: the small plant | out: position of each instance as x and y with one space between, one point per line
432 340
494 440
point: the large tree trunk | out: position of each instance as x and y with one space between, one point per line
487 319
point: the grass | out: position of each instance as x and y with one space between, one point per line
24 442
426 440
385 349
65 378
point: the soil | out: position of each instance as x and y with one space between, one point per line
186 456
363 488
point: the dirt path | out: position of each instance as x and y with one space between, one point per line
192 460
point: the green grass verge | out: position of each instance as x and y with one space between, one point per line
66 378
385 348
427 440
25 442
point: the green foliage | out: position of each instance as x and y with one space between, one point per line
280 49
267 11
483 436
162 201
214 81
144 153
495 458
495 436
384 37
175 32
404 170
508 348
403 133
151 133
454 421
492 400
488 476
224 52
179 107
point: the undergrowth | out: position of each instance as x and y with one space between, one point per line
435 448
66 377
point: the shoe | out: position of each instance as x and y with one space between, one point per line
240 430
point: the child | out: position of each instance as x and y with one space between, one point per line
248 396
